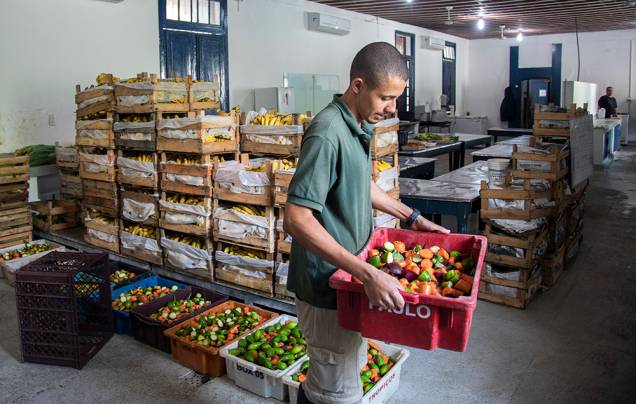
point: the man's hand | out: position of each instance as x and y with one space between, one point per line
421 224
382 289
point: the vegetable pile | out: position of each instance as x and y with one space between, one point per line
217 329
140 296
378 365
426 271
121 275
28 249
275 347
178 308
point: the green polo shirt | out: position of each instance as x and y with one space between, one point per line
332 179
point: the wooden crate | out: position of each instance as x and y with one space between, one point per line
139 250
282 179
110 230
95 132
262 282
283 245
139 136
101 196
201 125
204 229
93 100
539 116
280 283
15 225
14 196
556 159
169 257
46 212
92 158
66 158
13 169
378 150
531 244
264 199
129 176
258 139
267 244
527 195
522 298
204 95
159 95
552 266
173 174
134 199
71 186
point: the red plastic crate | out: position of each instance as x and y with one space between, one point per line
426 322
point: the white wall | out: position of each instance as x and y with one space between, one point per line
47 47
269 37
605 60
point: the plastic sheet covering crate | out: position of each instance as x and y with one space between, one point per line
258 379
249 181
205 359
547 162
201 134
204 95
245 225
254 272
140 206
141 242
138 169
277 140
147 93
137 131
187 254
122 322
95 132
151 331
188 214
385 139
101 231
380 393
518 201
426 322
189 174
97 164
55 215
63 301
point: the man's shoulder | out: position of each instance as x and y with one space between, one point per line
327 124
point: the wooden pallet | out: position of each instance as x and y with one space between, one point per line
381 151
267 244
109 172
95 133
151 182
131 196
13 169
552 266
264 199
200 125
529 243
140 252
106 104
557 159
204 95
179 91
203 230
171 172
200 273
527 194
46 212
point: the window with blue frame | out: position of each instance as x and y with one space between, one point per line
193 41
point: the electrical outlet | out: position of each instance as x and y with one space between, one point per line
51 120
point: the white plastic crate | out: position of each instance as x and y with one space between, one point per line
257 379
380 393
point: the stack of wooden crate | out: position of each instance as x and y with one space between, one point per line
95 141
386 169
283 174
15 214
190 147
67 161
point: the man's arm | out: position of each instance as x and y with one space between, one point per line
382 201
381 288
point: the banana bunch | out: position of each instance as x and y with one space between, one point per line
285 164
104 219
142 231
259 169
185 200
144 158
178 100
215 138
174 115
273 119
94 116
136 118
187 161
244 252
382 165
191 241
102 78
205 99
250 210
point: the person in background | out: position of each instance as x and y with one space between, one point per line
609 103
329 216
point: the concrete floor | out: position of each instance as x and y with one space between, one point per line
574 344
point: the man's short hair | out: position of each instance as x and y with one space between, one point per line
609 88
376 62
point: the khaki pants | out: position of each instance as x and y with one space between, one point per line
336 354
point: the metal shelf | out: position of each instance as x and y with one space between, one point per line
73 238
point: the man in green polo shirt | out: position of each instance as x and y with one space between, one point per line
329 216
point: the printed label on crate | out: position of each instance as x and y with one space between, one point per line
377 392
409 310
250 372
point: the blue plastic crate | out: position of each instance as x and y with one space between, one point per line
122 322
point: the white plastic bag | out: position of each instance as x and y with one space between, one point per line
242 271
232 175
240 261
92 101
185 208
184 256
185 179
97 134
136 211
132 242
387 179
183 218
109 238
134 168
98 159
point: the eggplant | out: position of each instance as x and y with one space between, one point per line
395 270
410 276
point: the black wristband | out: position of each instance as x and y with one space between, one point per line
411 219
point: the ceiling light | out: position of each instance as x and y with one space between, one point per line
519 36
481 24
409 1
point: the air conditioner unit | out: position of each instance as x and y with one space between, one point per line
430 42
326 23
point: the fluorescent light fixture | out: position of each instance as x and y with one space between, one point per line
481 24
519 36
